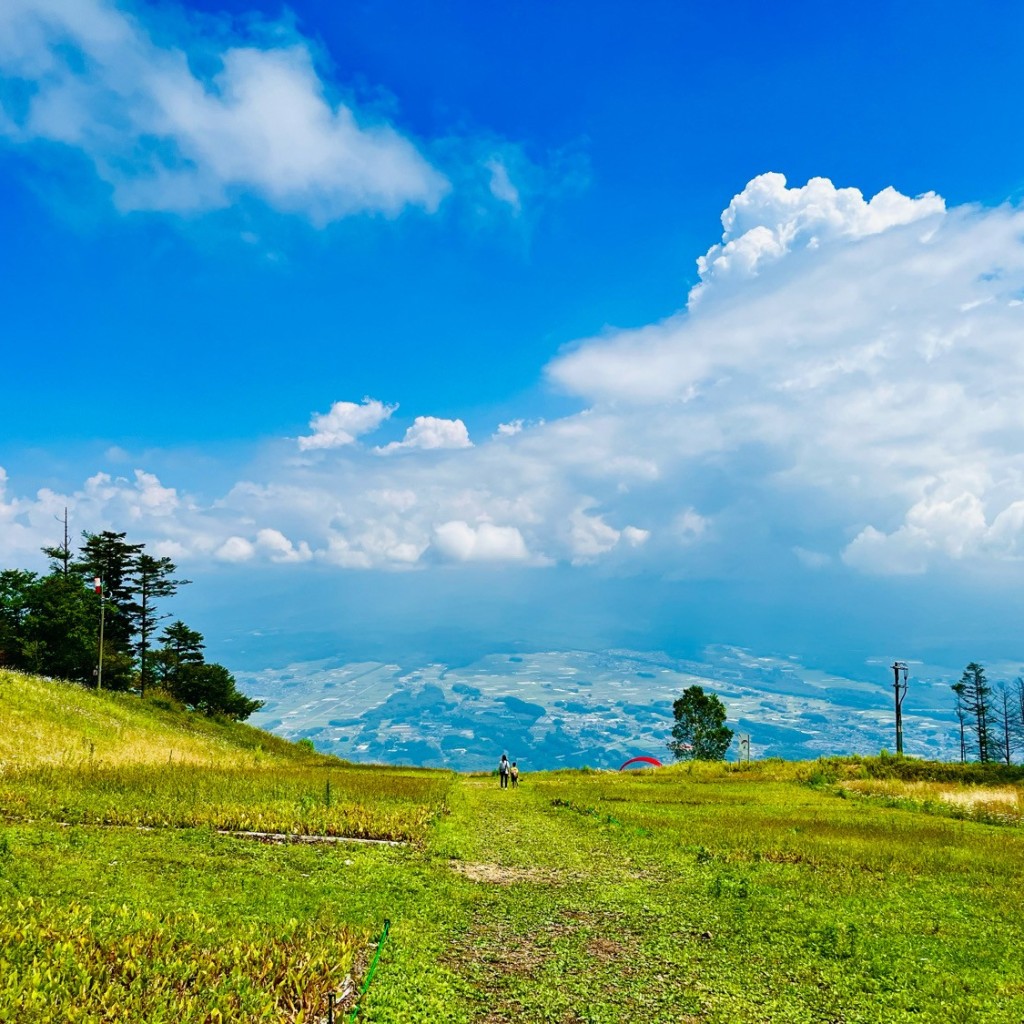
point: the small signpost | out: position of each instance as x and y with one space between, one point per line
744 746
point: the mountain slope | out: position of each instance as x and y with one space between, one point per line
50 721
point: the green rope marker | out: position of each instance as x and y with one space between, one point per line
373 967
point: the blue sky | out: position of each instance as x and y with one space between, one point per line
386 321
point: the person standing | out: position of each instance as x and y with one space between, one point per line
504 770
514 774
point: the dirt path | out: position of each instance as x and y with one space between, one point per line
539 910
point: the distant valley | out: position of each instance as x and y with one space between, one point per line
574 708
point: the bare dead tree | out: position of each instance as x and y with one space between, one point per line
1005 713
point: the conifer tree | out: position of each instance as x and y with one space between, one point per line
59 632
975 693
110 557
179 648
151 579
60 554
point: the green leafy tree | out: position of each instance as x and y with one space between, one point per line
212 689
700 732
60 629
15 604
152 580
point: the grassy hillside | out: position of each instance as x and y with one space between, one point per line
833 891
48 721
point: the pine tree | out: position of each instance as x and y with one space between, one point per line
975 693
180 647
110 557
60 554
1016 712
151 579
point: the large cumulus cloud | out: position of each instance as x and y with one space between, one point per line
872 349
841 388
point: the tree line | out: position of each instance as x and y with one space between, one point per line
991 716
50 625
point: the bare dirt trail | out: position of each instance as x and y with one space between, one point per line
541 924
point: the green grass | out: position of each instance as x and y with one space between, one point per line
733 898
53 722
332 800
773 893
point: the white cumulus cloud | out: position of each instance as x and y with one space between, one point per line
848 355
462 542
768 219
430 432
235 549
345 422
278 548
851 403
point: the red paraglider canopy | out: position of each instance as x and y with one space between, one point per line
648 760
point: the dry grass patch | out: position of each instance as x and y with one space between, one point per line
988 803
1007 798
602 948
500 874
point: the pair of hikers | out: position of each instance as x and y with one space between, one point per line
508 772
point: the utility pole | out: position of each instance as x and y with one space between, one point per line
98 583
899 686
65 551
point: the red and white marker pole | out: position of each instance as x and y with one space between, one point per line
98 584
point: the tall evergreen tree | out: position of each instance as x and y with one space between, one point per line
110 557
179 648
151 579
976 695
1015 713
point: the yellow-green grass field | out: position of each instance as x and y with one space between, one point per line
845 890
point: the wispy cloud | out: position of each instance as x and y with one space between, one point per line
257 119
